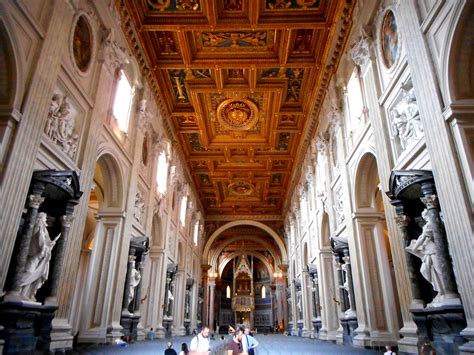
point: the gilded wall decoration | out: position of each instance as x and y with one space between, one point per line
177 80
295 80
167 43
283 141
237 114
389 39
292 4
303 40
237 39
241 188
195 142
82 44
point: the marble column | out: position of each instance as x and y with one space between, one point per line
306 304
212 290
179 295
34 202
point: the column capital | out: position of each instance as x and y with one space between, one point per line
35 201
402 220
430 201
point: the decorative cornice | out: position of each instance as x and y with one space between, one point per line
240 217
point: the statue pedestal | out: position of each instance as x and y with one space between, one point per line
440 328
129 323
26 326
349 325
317 324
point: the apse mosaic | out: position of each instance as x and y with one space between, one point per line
292 4
237 39
173 5
177 80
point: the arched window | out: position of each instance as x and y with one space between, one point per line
123 102
354 97
196 233
227 291
162 173
264 292
182 211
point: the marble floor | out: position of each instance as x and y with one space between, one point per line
269 345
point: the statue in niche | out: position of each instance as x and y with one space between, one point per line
135 279
39 255
139 208
60 125
425 248
406 122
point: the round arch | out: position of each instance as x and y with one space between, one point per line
325 232
271 232
458 58
365 181
112 178
235 254
215 253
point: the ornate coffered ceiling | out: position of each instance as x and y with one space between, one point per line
240 80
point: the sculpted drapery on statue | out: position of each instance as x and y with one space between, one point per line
135 279
425 248
39 255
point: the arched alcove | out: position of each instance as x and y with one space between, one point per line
109 176
157 232
325 232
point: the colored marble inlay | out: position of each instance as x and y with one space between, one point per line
291 4
239 39
295 79
177 80
195 142
283 141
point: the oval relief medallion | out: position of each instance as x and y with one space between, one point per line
237 114
241 188
82 44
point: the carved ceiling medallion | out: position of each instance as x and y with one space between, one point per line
241 188
237 114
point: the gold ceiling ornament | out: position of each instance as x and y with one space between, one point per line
241 188
237 114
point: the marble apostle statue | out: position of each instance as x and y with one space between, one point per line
39 255
425 248
135 278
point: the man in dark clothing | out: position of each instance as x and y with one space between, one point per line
170 350
235 346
